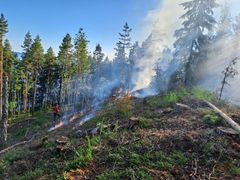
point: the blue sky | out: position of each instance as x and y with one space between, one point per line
52 19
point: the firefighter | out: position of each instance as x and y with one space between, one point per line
56 112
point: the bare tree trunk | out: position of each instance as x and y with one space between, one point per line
223 84
5 106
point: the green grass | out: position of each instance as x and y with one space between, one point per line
212 119
164 101
235 171
152 159
131 161
144 122
9 158
201 94
33 174
83 155
122 109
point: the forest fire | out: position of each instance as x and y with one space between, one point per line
128 95
57 126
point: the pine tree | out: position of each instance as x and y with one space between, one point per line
11 74
37 56
65 61
134 53
25 68
49 72
125 39
3 122
97 54
81 53
97 57
193 36
120 52
124 43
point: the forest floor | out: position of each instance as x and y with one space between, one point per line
151 138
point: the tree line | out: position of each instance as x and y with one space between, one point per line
38 79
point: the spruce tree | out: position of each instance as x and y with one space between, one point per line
49 73
97 57
198 21
11 74
124 43
81 53
26 68
65 61
37 56
3 123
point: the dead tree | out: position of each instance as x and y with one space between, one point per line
229 72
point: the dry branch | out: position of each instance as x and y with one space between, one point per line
232 123
17 144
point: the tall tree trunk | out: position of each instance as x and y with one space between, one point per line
47 89
188 69
2 126
14 99
60 91
25 95
5 106
34 93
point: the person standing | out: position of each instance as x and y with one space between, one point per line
56 112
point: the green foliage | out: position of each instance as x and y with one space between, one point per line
33 174
9 158
201 94
83 155
65 57
235 171
3 167
12 156
81 53
144 122
213 119
164 101
208 149
153 159
123 109
49 144
3 26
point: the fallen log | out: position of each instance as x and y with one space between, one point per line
183 105
17 144
229 120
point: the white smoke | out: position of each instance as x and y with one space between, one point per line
163 21
161 24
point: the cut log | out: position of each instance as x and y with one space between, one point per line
229 120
